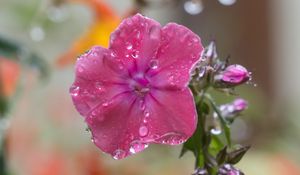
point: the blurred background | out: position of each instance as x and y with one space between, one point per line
42 134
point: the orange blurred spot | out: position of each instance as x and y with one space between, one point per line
105 21
9 75
89 162
51 164
283 165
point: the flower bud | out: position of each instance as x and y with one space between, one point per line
235 74
210 52
200 171
228 169
231 110
240 104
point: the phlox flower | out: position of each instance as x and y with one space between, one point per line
136 92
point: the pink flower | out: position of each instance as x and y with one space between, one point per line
135 92
235 75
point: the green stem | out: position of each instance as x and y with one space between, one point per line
224 123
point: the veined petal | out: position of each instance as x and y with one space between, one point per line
179 50
136 41
115 126
98 78
170 121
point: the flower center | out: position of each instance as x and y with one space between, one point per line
140 85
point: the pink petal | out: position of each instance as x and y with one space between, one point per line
128 124
171 116
136 41
179 50
98 79
115 127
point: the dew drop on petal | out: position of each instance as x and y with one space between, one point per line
172 138
98 86
134 54
119 154
143 131
146 114
142 105
193 7
80 69
153 64
105 104
74 91
113 54
137 146
129 46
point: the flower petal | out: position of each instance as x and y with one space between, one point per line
179 50
136 41
98 79
170 121
115 127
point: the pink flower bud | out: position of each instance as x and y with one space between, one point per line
210 51
235 75
233 109
228 169
240 104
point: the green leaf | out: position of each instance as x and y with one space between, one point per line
222 156
235 156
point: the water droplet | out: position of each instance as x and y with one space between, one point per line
74 90
154 32
146 114
172 138
113 54
142 105
193 7
153 64
129 46
143 131
80 69
119 154
105 104
227 2
138 34
137 146
135 53
37 33
216 131
98 86
202 71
